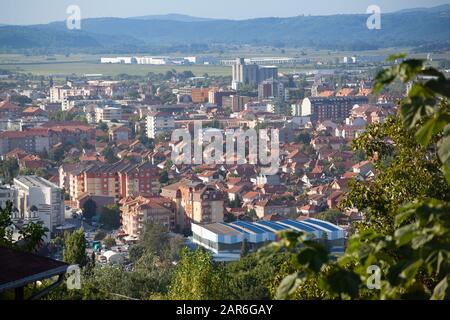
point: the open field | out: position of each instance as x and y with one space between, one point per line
80 68
61 66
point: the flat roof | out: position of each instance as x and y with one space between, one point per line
221 228
249 227
35 181
324 224
17 268
312 226
299 225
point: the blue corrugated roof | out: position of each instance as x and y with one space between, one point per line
323 224
272 225
235 227
249 226
299 225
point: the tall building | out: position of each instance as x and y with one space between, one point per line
272 88
244 73
139 211
332 108
108 113
62 93
251 74
235 103
34 192
158 123
267 72
7 193
32 141
196 202
216 97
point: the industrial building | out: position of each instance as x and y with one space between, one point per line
225 239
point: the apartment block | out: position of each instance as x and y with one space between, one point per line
158 123
136 212
33 191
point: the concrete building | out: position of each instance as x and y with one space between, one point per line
107 114
332 108
251 74
32 141
244 73
7 193
158 123
139 211
234 102
33 191
60 94
272 89
196 202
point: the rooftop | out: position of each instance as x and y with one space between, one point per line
20 268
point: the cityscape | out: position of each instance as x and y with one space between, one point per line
173 157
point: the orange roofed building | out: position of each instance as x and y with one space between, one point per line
139 211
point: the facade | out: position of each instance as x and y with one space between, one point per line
32 141
216 96
200 95
196 202
331 108
60 94
118 180
107 114
7 193
158 123
120 134
251 74
272 89
234 102
138 211
42 194
244 73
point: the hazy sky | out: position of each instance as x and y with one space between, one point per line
43 11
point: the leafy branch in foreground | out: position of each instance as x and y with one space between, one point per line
413 251
425 108
31 234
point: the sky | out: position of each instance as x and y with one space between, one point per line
25 12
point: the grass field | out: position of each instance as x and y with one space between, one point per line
61 66
80 68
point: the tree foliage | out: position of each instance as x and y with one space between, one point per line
30 234
75 247
406 229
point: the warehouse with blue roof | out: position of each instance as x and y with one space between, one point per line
227 238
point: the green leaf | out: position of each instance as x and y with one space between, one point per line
444 149
410 272
440 86
440 291
287 286
312 257
405 234
403 216
420 240
343 282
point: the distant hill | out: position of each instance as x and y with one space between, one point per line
444 7
419 27
172 17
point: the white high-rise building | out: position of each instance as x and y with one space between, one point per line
158 123
33 193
